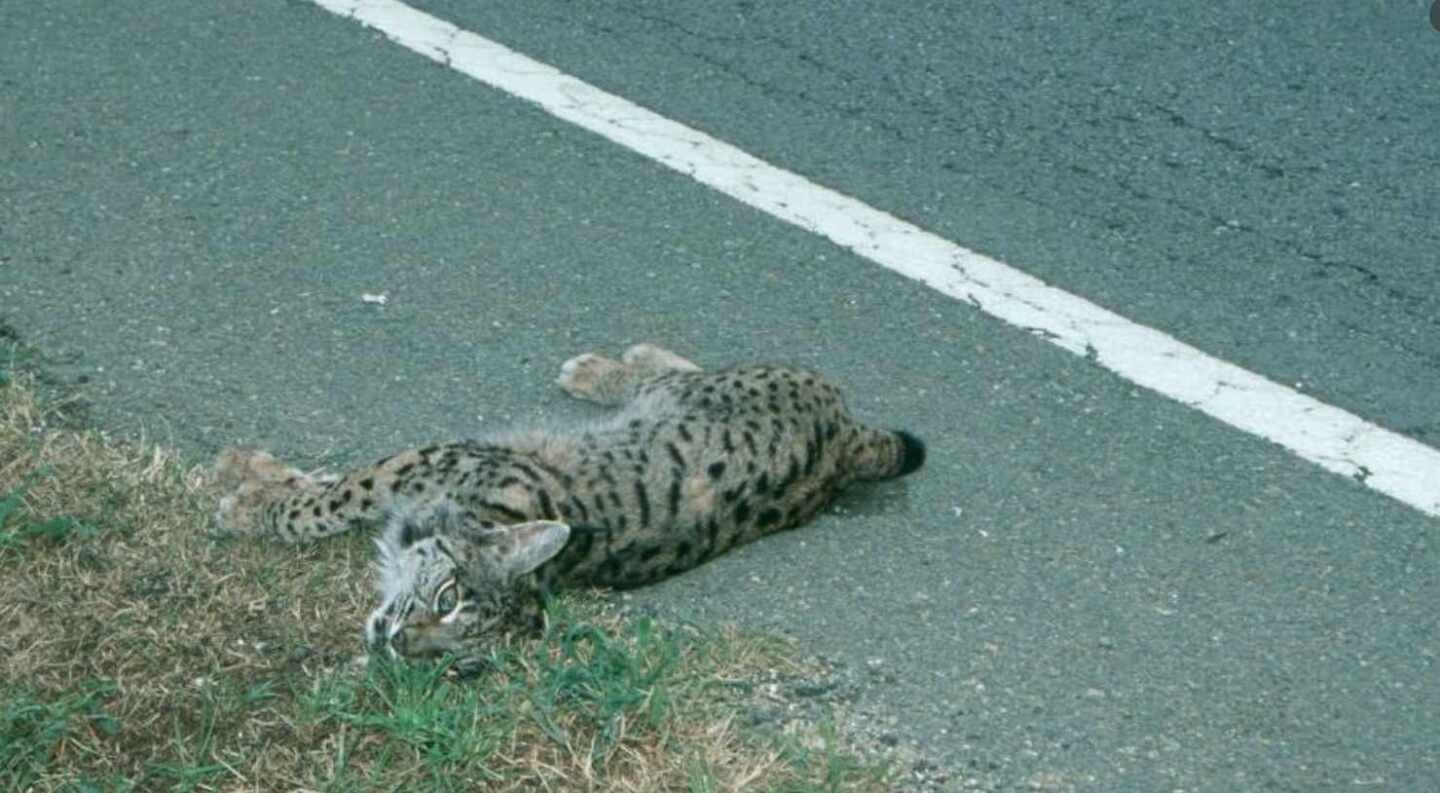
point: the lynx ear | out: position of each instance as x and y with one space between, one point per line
525 546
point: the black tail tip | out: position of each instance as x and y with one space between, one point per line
913 455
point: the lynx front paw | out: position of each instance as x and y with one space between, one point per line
590 376
250 479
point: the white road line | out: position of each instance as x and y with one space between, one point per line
1328 436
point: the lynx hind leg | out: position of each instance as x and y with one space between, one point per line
653 359
610 382
250 479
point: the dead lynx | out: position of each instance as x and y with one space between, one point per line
693 464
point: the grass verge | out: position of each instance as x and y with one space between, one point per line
139 651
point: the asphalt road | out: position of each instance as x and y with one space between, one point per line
1088 587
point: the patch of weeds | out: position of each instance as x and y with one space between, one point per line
17 527
195 734
32 729
113 784
585 691
700 778
828 767
603 678
260 692
447 728
184 776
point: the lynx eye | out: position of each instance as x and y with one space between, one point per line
448 598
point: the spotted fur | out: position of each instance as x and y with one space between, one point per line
691 465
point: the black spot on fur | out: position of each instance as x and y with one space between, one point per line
508 514
411 533
642 498
672 498
576 551
675 455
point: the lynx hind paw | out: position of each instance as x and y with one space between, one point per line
251 478
650 356
584 376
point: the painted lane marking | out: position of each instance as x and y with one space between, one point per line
1332 438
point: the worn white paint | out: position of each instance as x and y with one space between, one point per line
1332 438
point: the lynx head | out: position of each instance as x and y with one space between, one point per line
449 587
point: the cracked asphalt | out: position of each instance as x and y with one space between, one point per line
1087 588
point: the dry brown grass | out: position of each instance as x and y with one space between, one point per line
139 650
